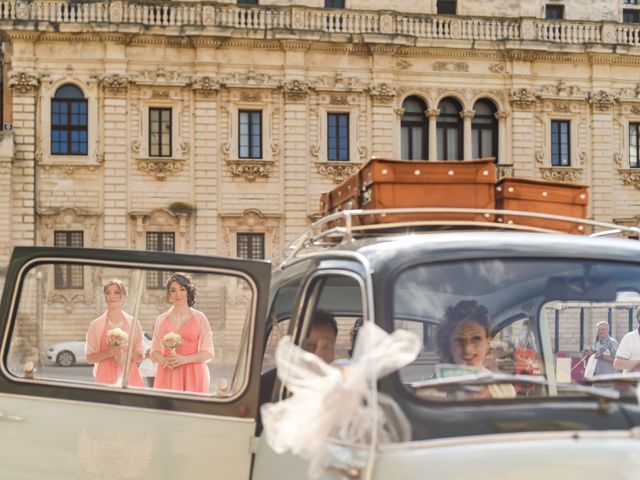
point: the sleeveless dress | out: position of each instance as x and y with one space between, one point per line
107 372
191 377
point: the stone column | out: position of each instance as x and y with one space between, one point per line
467 116
6 156
433 133
117 160
502 136
206 157
25 86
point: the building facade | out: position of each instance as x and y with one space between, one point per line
212 128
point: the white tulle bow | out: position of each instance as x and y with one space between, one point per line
338 402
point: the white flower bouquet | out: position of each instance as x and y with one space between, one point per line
117 337
172 340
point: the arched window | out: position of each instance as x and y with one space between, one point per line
68 121
484 130
449 130
414 129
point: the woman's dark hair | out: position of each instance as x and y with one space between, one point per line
185 281
463 312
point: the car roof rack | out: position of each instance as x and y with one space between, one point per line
342 227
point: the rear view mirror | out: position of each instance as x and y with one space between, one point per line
590 289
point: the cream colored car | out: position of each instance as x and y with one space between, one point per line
543 294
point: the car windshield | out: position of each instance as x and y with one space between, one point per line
514 328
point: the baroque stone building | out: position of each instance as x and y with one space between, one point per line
212 128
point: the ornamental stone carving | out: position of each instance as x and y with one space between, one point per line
250 97
522 98
630 176
296 90
315 150
114 82
403 64
22 10
208 16
24 83
451 67
362 152
608 33
433 113
601 100
206 85
338 100
115 12
297 19
160 167
250 170
467 114
497 67
337 171
382 92
504 170
561 174
386 23
561 107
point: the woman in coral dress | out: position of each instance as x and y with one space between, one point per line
108 354
182 341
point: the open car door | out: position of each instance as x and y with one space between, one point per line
55 417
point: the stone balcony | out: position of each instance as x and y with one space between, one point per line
313 23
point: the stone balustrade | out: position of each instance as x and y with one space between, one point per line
428 27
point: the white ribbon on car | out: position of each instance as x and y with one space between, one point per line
338 403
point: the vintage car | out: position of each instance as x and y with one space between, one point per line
543 291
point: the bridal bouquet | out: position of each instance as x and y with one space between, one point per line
172 340
117 337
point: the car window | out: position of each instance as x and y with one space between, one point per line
65 335
533 317
335 300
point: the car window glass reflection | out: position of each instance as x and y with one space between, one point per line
115 331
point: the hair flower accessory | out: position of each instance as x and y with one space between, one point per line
338 403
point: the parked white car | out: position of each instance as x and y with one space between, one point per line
71 352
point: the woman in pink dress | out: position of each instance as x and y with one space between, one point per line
183 367
108 359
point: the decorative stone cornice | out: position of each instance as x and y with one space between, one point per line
337 171
522 98
601 100
630 176
296 90
561 174
250 169
24 82
206 85
160 167
382 92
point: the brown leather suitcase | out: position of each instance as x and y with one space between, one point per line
541 196
407 184
345 196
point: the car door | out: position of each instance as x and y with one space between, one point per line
341 293
60 422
